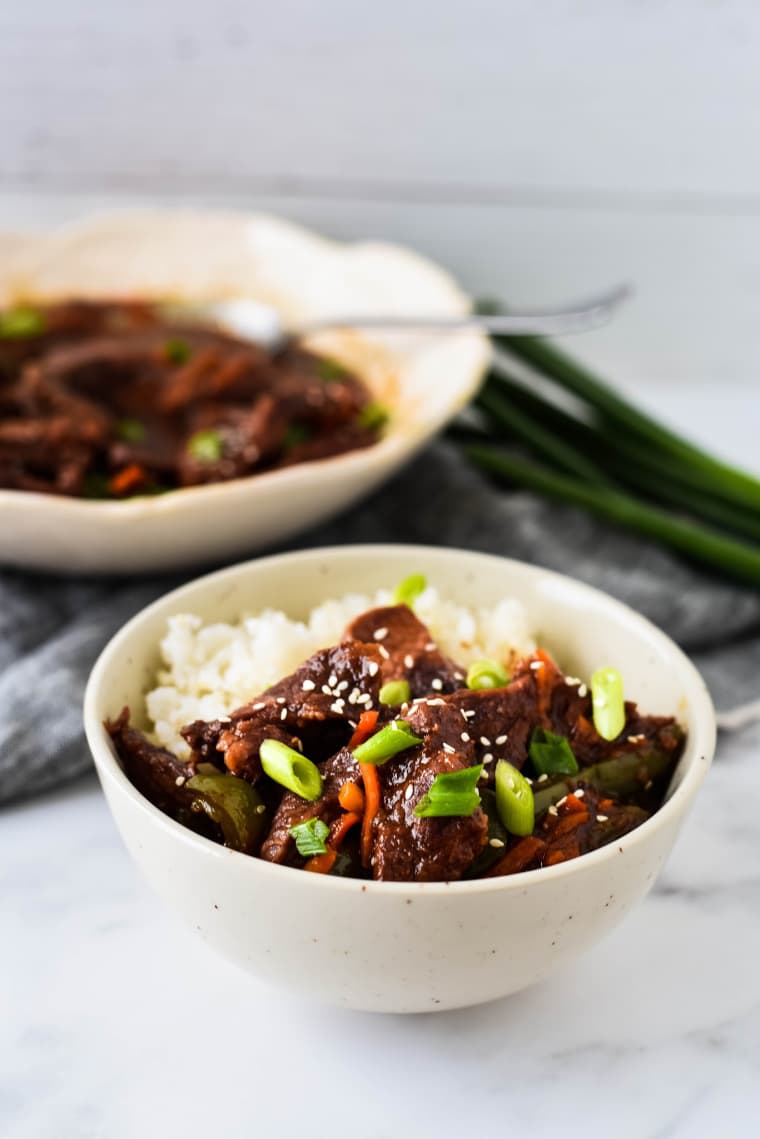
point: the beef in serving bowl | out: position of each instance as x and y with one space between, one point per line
388 945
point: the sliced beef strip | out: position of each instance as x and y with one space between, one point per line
158 774
279 846
316 707
409 849
408 649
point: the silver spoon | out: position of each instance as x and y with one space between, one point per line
262 323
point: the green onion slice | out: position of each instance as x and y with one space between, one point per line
407 591
452 793
607 702
177 351
310 837
295 433
205 446
373 416
389 741
330 370
15 323
130 430
514 799
551 754
395 692
291 769
487 674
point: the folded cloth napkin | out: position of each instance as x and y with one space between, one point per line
52 629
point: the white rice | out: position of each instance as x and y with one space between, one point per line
209 670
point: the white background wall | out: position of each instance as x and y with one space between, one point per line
541 148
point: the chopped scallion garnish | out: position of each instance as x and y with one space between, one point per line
395 692
290 769
330 370
295 433
130 430
607 702
16 323
551 754
514 799
389 741
177 351
373 416
407 592
452 793
487 674
310 837
205 446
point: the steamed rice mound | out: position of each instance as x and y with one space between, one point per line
209 670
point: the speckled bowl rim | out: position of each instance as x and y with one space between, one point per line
697 757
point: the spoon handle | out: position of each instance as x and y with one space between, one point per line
580 318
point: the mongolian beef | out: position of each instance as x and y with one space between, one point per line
380 757
112 400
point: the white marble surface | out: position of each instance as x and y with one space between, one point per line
116 1022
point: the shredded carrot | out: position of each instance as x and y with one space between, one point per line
554 857
605 804
372 806
573 804
364 729
567 823
322 863
341 827
545 678
528 850
127 480
351 797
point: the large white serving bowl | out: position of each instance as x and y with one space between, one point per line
396 947
201 257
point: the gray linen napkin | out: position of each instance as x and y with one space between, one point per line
52 629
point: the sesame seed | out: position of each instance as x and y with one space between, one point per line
562 800
337 706
280 699
458 675
180 780
380 634
449 749
430 647
536 664
485 741
373 668
496 842
583 690
260 809
468 713
333 680
259 706
602 818
579 793
435 703
327 690
552 810
425 759
365 698
384 652
543 778
352 723
409 792
572 681
500 740
409 661
437 684
308 685
353 695
637 739
284 714
465 737
483 775
648 785
488 758
342 686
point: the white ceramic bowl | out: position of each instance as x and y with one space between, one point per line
203 257
397 947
